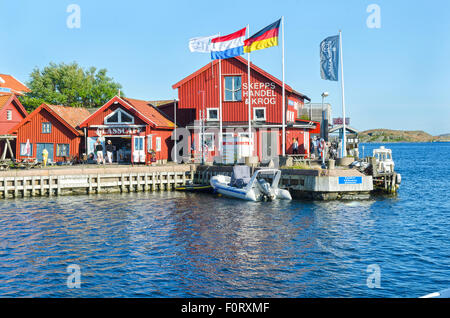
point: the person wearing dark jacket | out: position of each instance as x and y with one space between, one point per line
109 151
99 152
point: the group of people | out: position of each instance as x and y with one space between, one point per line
99 152
318 147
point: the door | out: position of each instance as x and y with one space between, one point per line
269 145
40 147
138 154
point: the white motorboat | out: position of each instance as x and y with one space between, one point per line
256 188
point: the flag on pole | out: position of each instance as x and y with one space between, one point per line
263 39
231 45
201 44
329 58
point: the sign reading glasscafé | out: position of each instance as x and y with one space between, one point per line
118 131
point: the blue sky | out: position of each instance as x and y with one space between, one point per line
396 76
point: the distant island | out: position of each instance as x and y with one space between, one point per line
389 135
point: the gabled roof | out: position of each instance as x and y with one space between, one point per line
253 68
8 81
74 116
143 109
6 99
70 117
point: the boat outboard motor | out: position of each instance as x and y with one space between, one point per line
266 189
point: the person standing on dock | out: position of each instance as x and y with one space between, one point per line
295 146
109 151
99 152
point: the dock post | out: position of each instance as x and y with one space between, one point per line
90 184
33 184
146 182
58 184
15 187
50 186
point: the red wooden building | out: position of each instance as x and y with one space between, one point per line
137 130
51 127
9 84
11 113
199 92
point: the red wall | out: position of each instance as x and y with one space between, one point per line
7 125
60 134
165 134
191 101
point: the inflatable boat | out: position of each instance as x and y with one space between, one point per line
262 186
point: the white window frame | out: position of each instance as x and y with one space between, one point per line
254 114
207 114
158 144
9 114
47 129
202 138
149 143
233 90
120 111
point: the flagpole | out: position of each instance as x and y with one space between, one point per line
220 106
250 135
283 91
344 139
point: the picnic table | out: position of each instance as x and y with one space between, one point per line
300 158
27 163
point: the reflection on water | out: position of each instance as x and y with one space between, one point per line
193 245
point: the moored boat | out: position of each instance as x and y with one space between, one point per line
256 188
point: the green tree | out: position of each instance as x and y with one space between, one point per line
69 85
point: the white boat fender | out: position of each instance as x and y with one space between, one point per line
398 178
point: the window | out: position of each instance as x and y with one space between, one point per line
46 128
119 116
9 115
149 143
62 150
233 91
24 151
139 143
208 141
158 143
259 113
213 114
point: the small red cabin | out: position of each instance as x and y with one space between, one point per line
139 132
199 93
51 127
11 113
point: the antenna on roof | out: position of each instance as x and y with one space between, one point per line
119 92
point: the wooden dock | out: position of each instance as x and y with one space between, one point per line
87 180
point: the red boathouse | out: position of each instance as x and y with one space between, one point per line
199 93
139 132
51 127
11 113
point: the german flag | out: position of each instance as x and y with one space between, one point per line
263 39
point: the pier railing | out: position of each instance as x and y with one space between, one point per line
83 181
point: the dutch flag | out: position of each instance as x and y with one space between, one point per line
231 45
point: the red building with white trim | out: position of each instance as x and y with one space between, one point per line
51 127
200 92
11 113
139 132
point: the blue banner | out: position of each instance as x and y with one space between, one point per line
329 58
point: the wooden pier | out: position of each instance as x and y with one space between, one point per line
84 180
